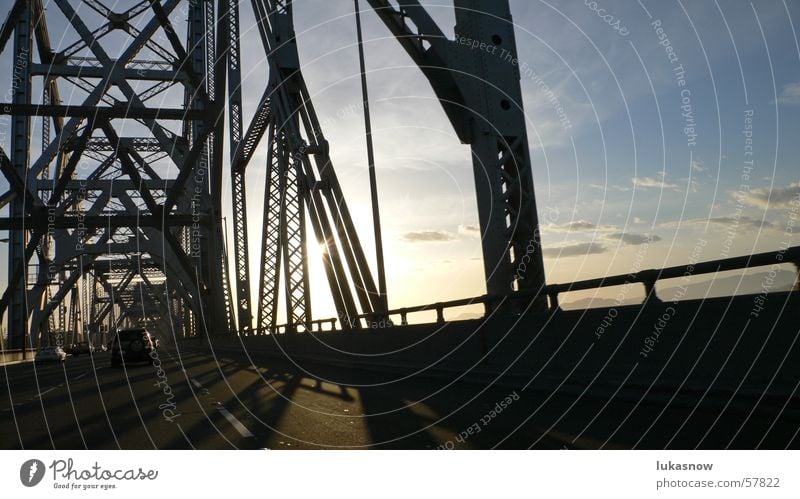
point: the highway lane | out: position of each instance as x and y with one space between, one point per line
88 404
220 400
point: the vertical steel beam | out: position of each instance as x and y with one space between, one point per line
344 262
20 155
298 310
238 171
501 157
219 305
269 279
481 95
206 188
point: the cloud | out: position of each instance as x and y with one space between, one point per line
428 236
652 182
574 225
698 166
578 225
743 220
469 230
790 94
691 183
609 187
777 197
581 225
634 239
726 221
575 250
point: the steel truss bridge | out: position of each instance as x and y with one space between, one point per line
115 215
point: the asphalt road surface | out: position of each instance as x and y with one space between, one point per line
201 400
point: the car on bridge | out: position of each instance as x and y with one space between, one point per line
131 345
83 347
50 354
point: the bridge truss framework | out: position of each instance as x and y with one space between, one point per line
115 213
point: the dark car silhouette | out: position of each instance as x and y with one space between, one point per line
131 345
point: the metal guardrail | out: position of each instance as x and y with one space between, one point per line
16 354
648 278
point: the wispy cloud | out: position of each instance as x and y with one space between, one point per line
575 225
652 183
777 197
428 236
578 226
581 225
634 239
790 94
469 230
610 187
691 183
575 250
743 220
722 222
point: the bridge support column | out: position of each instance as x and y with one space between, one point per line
477 80
20 133
490 84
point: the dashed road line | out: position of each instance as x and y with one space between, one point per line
41 394
60 385
243 431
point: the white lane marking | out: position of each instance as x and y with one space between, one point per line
195 383
235 422
81 376
41 394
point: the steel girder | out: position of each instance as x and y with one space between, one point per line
89 189
284 239
481 95
271 240
238 170
301 186
18 252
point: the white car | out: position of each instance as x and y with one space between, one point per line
50 354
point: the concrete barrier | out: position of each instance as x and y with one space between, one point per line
745 344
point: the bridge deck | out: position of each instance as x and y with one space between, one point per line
245 393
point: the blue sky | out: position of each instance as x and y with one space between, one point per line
621 172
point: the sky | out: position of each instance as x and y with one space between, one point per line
619 183
661 132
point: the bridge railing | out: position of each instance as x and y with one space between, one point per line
647 278
16 354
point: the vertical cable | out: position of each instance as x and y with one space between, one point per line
376 218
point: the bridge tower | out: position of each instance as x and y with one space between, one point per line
479 89
125 189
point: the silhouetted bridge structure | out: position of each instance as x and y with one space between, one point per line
116 219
